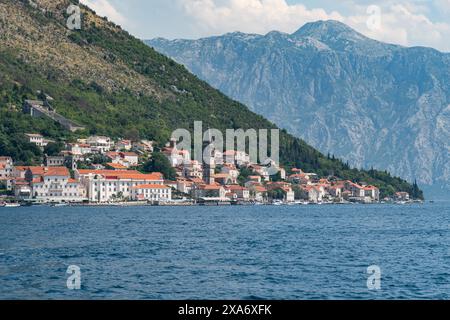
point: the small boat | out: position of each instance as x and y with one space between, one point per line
60 205
277 203
12 205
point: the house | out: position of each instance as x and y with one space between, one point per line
313 194
143 146
111 185
54 161
79 148
225 179
210 191
124 145
130 158
402 196
184 186
236 157
285 188
192 169
99 144
6 167
231 170
372 192
37 139
175 156
151 192
258 193
356 190
54 184
299 178
242 193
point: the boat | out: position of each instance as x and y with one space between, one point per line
12 205
277 203
60 205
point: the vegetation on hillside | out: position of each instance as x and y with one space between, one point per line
177 100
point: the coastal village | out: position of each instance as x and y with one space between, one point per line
100 170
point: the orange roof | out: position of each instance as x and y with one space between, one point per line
151 186
236 188
73 181
123 174
260 189
116 166
56 171
2 166
128 154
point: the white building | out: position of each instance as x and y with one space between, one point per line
55 185
100 144
6 167
151 192
112 185
38 140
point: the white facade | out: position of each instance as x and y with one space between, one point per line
151 193
111 185
100 144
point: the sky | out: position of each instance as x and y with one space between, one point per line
408 23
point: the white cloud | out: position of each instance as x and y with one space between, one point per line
402 23
105 9
252 16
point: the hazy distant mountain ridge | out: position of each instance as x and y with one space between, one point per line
371 103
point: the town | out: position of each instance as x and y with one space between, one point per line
73 177
98 170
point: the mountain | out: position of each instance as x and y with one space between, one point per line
370 103
113 84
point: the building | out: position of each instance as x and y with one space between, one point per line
241 193
210 191
54 161
129 159
54 184
402 196
6 167
99 144
37 139
151 192
113 185
192 169
124 145
372 192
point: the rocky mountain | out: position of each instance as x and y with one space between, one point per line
370 103
113 84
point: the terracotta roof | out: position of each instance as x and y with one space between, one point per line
260 189
56 172
128 154
123 174
236 188
116 166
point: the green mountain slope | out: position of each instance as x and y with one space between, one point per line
114 84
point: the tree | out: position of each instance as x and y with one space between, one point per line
160 163
53 148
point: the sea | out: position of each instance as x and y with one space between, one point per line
301 252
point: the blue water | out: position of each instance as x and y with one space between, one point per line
261 252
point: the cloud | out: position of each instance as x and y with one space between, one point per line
404 23
252 16
105 9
